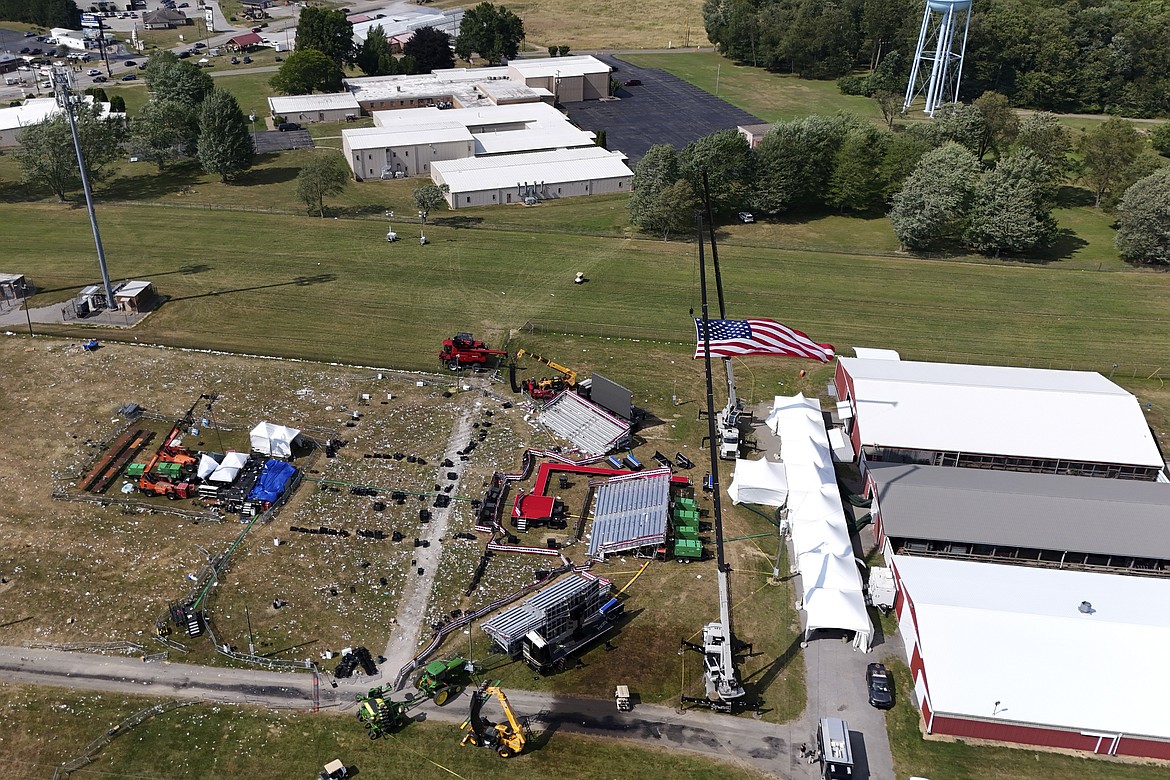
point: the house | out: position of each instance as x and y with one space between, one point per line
164 19
245 42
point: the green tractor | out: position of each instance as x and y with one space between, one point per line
440 680
380 714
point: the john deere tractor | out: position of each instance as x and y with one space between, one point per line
380 714
440 680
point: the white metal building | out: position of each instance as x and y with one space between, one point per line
333 107
569 79
377 152
1065 659
1023 419
565 173
13 120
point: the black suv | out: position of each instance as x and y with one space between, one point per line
881 686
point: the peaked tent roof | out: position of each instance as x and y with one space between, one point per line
758 482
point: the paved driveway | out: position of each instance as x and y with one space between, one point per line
664 109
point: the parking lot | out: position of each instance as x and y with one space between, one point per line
663 109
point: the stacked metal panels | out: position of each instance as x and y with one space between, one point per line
590 428
631 512
552 612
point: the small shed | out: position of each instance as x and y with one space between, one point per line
134 297
245 42
13 287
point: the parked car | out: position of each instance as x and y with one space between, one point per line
131 63
29 34
130 77
25 50
746 217
183 54
881 686
99 79
200 44
235 60
247 60
278 58
184 5
142 66
93 72
286 126
634 83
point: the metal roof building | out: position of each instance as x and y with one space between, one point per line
546 611
630 512
333 107
564 173
590 428
976 512
1065 659
997 417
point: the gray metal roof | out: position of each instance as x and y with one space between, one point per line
1017 509
590 428
511 625
631 512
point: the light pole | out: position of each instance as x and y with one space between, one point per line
422 218
252 116
63 86
24 297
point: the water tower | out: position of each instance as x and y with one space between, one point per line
937 66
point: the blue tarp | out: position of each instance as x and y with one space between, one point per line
273 477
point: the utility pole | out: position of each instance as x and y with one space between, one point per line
63 87
251 641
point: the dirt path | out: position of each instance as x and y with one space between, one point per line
404 639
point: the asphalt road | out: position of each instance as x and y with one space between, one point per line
743 740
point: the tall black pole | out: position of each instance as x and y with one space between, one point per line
714 247
712 437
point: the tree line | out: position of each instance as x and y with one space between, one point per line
325 48
1090 56
46 13
977 178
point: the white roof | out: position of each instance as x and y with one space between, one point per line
758 482
832 588
131 289
294 104
229 468
999 410
875 353
479 117
565 165
412 135
563 66
458 83
511 141
395 21
37 110
1013 634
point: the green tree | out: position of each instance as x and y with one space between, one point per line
563 50
1044 135
901 156
374 56
657 170
1010 211
118 104
428 197
325 174
794 161
1161 139
491 32
552 51
727 158
962 123
600 139
856 183
225 146
1109 149
1000 123
306 71
1143 223
98 93
328 31
173 79
431 50
47 156
163 131
673 210
933 204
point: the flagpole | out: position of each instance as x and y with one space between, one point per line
712 438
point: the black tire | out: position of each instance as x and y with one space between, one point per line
442 696
373 734
504 752
453 365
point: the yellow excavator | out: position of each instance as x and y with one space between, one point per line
506 739
543 389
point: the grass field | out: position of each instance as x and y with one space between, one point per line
46 727
956 760
608 24
770 96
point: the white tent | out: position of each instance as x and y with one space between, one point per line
207 466
275 440
758 482
832 572
828 608
230 468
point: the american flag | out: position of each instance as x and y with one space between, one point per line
730 338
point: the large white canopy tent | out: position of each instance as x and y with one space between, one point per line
274 440
833 596
229 469
758 482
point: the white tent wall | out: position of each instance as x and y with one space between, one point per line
833 596
758 482
275 440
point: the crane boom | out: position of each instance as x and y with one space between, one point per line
569 374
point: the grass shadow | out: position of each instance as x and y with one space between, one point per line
759 681
261 176
356 212
457 222
1068 197
300 281
151 183
1064 245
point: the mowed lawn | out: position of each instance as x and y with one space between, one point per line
609 24
770 96
335 290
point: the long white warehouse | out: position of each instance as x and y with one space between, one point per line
485 181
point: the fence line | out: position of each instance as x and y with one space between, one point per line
89 754
84 647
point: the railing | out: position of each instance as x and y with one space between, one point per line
89 754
